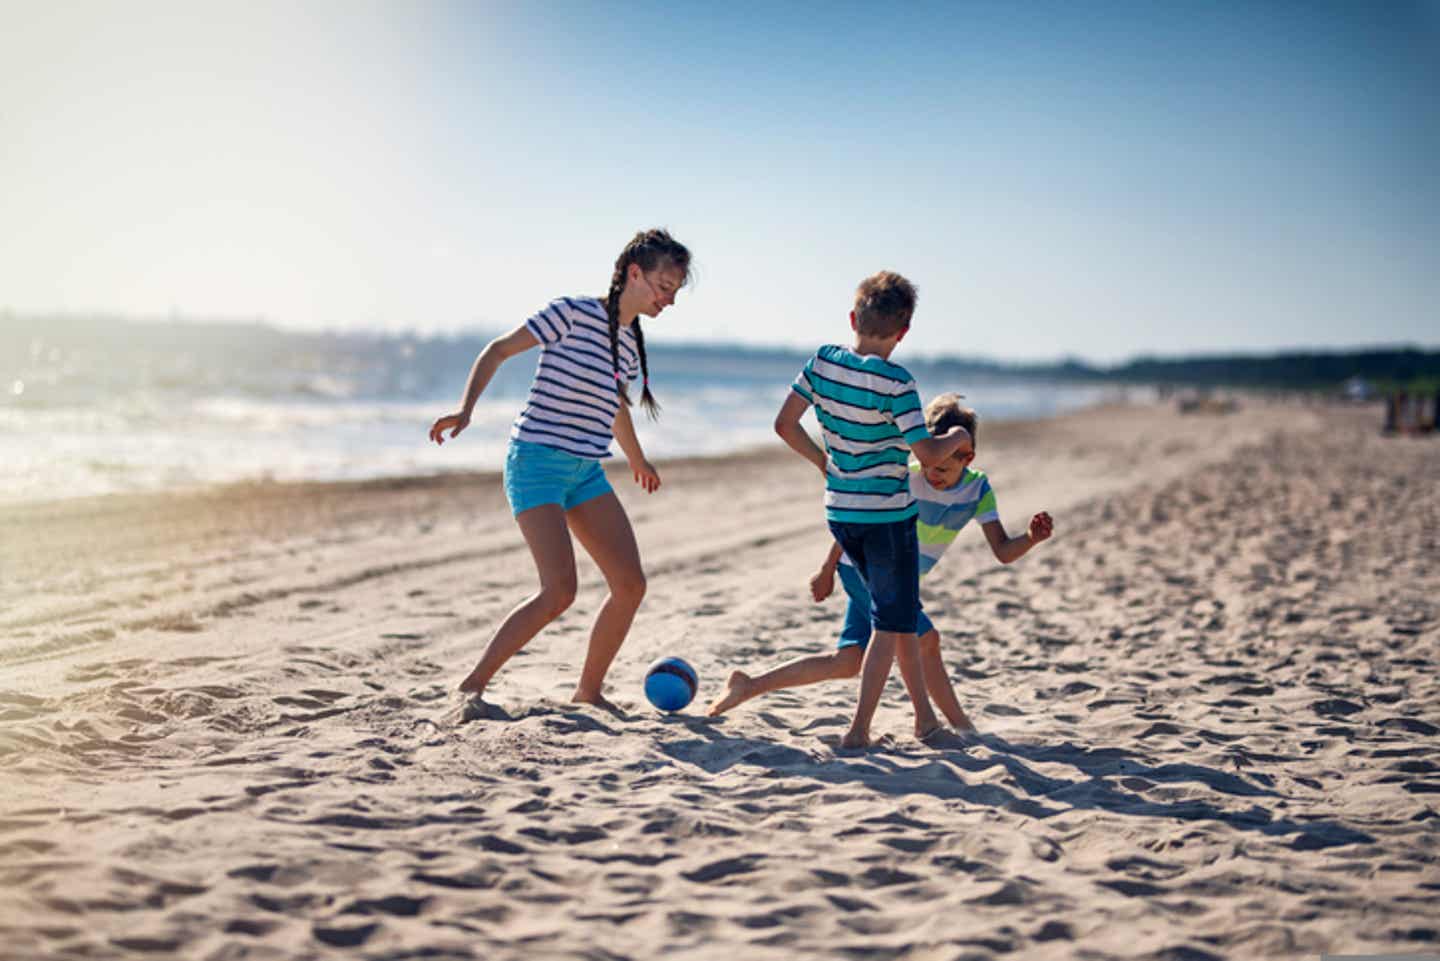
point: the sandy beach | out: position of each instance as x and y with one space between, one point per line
1208 714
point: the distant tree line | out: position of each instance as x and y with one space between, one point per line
1383 369
1402 368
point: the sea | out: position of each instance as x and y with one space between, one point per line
93 405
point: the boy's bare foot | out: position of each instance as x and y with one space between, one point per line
925 731
945 737
855 739
737 689
962 724
471 684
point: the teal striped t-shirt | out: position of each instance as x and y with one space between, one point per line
869 413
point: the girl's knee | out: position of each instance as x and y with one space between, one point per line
555 599
629 587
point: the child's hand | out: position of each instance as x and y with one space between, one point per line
646 475
822 584
454 423
1041 527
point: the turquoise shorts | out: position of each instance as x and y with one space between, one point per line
536 475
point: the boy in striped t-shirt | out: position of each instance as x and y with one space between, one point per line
948 496
871 422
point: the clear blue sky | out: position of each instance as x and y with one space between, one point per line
1089 179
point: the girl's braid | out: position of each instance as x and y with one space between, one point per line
647 399
650 249
612 310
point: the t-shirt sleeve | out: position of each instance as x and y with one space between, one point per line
551 324
802 382
908 416
985 509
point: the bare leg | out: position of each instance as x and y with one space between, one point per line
545 532
875 671
802 670
603 529
937 682
907 652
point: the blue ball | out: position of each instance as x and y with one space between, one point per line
670 683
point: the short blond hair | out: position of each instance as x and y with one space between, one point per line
884 304
945 412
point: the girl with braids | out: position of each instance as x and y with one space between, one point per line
590 347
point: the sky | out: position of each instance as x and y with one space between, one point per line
1071 179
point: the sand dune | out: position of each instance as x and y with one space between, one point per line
1208 714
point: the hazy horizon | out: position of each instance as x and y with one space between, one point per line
480 334
1099 181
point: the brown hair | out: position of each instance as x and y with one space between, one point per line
651 249
945 412
884 304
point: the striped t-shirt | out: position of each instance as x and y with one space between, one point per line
869 416
943 513
573 401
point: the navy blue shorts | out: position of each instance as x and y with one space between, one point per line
888 559
858 625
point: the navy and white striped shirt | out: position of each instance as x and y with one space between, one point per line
573 401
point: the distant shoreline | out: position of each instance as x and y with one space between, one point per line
268 488
1386 366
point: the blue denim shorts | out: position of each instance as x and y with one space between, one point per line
887 557
536 474
858 623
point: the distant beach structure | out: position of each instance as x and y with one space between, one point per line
1205 402
1411 413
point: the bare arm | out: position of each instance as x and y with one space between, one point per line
824 580
787 425
933 451
496 352
1008 549
644 472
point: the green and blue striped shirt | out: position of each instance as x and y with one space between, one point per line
943 513
870 414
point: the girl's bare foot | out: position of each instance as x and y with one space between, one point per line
855 739
595 700
476 709
472 684
737 689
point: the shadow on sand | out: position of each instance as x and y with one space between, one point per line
1106 772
